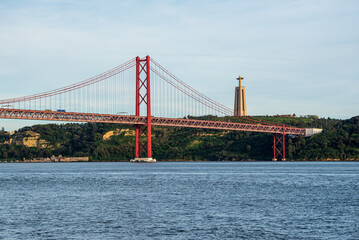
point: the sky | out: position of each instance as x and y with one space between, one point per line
296 56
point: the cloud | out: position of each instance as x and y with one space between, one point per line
285 50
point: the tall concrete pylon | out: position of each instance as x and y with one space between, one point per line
240 105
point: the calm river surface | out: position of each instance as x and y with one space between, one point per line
180 200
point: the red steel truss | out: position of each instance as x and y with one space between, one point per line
143 120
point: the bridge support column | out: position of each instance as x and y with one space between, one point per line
279 146
143 141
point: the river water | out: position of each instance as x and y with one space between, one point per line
180 200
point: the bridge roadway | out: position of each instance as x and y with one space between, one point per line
142 120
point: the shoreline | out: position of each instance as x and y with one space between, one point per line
181 160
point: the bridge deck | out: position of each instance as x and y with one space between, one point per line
129 119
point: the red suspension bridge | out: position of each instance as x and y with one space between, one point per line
161 99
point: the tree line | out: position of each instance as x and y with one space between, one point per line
339 140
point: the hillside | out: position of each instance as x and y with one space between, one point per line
112 142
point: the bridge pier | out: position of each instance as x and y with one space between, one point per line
143 160
279 146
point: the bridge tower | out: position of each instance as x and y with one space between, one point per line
143 141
